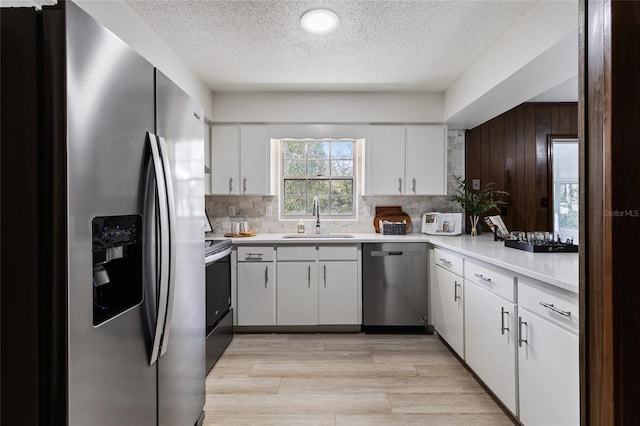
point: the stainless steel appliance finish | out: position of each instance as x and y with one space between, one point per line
103 106
218 306
394 279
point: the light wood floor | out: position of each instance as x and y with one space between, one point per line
344 379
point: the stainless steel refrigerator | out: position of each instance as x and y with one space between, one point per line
103 277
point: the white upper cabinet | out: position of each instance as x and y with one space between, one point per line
385 146
406 160
240 160
426 160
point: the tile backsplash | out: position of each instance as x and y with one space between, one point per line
252 208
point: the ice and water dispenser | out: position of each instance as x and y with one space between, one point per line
117 265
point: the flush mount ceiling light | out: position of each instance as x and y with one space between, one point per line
319 21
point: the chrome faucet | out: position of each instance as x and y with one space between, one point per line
316 212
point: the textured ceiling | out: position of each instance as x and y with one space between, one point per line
396 45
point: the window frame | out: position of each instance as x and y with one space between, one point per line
353 178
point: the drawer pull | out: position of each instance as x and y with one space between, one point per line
309 277
556 310
266 276
445 261
253 257
482 277
520 339
502 327
456 286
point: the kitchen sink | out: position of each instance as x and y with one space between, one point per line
308 236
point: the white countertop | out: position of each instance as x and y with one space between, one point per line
558 269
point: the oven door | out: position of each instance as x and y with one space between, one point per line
218 289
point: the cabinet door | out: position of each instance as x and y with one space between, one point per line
338 293
225 155
384 168
297 293
490 346
254 160
426 160
256 294
548 373
447 306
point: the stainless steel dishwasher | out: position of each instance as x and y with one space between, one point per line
394 279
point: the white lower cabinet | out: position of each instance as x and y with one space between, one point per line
548 364
256 300
490 345
517 334
447 294
297 293
338 293
317 285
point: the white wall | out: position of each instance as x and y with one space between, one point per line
118 17
326 107
537 54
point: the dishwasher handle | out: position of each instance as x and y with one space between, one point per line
379 253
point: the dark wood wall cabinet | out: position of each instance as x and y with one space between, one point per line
512 151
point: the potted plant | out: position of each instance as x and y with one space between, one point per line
478 202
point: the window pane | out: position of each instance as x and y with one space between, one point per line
342 187
294 149
318 187
294 187
295 168
324 205
295 206
318 149
342 205
318 168
341 167
342 149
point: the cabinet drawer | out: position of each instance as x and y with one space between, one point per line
498 282
555 306
338 252
255 254
448 261
295 252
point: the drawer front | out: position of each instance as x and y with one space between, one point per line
499 282
255 253
338 252
296 252
557 307
449 261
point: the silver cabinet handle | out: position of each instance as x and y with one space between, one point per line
230 185
482 277
400 185
244 185
325 275
556 310
520 339
253 257
502 327
266 276
309 276
456 296
445 261
414 185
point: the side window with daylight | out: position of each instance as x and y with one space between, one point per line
322 168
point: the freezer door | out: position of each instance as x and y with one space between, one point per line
181 381
110 95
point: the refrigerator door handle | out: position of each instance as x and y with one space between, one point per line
171 232
162 264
